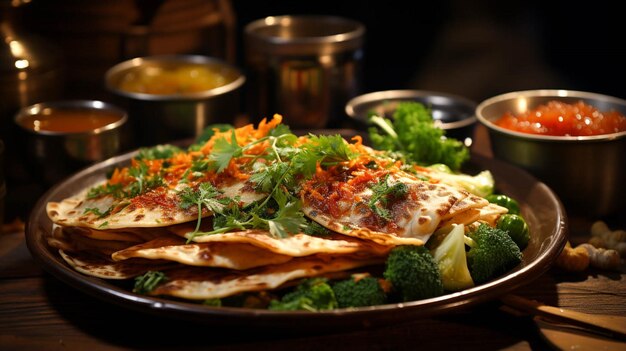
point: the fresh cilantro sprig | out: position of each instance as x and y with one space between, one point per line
224 151
281 216
115 190
158 152
96 211
285 160
143 180
383 193
206 195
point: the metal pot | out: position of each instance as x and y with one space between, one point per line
588 173
162 118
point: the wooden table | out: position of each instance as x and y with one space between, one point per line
39 312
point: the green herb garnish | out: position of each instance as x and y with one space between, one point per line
148 281
412 134
382 194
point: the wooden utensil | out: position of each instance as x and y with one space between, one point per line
600 323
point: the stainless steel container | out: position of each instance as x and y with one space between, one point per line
54 155
303 67
452 113
588 173
162 118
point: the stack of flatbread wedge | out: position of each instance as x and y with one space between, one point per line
253 209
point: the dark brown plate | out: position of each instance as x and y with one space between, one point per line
541 208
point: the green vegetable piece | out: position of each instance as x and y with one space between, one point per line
382 193
148 281
359 292
413 273
413 133
492 253
481 184
516 227
212 302
504 201
158 152
311 295
449 254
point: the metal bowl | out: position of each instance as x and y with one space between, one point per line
161 118
588 173
453 113
55 154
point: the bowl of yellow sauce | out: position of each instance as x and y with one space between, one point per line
172 97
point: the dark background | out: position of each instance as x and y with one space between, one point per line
472 48
478 48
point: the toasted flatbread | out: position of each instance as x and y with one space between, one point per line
99 267
204 283
156 208
342 202
237 256
293 245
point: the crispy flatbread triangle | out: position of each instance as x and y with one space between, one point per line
214 254
204 283
247 249
102 268
412 217
71 241
293 245
156 208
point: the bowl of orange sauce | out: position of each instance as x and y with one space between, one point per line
60 137
574 141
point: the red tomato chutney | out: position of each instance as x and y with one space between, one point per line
561 119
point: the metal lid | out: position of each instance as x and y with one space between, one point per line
304 35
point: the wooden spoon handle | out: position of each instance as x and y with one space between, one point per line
614 325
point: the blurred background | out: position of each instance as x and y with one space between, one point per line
474 49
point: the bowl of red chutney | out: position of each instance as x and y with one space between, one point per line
574 141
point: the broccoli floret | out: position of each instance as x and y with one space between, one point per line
314 294
358 291
492 253
449 253
413 273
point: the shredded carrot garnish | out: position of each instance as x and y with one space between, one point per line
119 176
265 127
154 166
358 140
233 171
